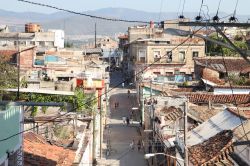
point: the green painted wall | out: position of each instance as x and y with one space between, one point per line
9 125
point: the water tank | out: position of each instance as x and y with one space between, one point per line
31 28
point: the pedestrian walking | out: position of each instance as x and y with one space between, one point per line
128 93
123 85
127 120
124 119
131 117
139 145
132 145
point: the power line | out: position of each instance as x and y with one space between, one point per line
84 14
4 139
231 87
159 18
233 18
182 16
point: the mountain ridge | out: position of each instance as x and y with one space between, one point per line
81 25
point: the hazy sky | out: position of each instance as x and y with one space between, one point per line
146 5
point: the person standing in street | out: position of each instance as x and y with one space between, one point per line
127 120
139 145
124 119
132 145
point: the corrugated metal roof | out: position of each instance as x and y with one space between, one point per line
221 121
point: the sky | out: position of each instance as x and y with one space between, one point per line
145 5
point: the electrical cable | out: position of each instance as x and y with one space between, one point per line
198 18
179 7
183 6
159 18
83 14
116 86
231 87
233 18
216 17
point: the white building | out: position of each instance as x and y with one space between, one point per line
51 39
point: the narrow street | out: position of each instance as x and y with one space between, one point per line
120 135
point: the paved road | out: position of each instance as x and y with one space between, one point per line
119 134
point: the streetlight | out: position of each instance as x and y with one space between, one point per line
149 155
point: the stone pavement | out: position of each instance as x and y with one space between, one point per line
120 135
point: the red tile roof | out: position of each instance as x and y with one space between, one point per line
37 152
235 87
214 80
212 150
204 98
243 113
171 113
7 55
216 63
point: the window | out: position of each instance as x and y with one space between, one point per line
195 54
142 56
157 73
41 43
182 56
32 42
23 43
169 73
169 56
177 71
157 56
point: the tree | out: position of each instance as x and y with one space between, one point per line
215 49
8 76
83 103
68 45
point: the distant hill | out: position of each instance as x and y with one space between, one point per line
80 25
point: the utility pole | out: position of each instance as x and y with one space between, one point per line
100 127
18 68
109 58
95 36
93 143
152 119
185 133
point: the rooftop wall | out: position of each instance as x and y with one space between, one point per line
10 124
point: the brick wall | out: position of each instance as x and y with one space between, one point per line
26 59
208 73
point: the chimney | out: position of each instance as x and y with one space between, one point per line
151 24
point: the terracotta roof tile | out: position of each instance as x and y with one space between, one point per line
243 113
204 98
214 79
171 113
38 153
211 150
203 113
232 64
228 87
